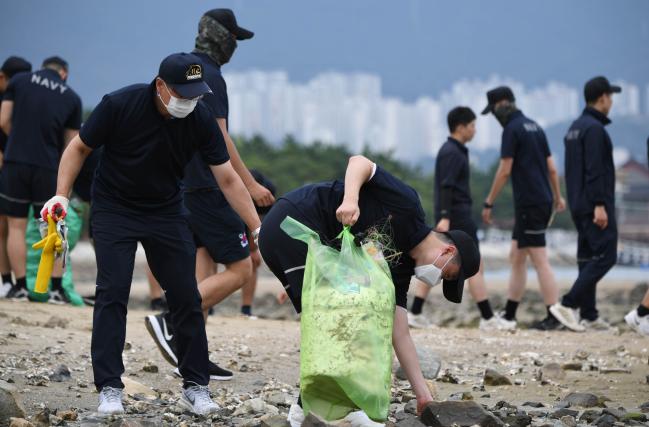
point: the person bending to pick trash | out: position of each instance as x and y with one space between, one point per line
371 199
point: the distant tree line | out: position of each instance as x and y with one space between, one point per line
291 164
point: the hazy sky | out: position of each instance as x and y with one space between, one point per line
418 47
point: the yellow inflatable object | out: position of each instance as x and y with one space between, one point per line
51 244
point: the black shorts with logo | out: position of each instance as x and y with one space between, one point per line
216 226
531 225
23 186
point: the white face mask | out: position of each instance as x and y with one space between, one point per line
179 107
430 274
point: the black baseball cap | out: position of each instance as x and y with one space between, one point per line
470 264
14 65
598 86
226 18
184 73
56 60
496 95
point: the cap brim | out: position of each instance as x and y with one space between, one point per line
453 289
615 89
243 34
192 90
487 109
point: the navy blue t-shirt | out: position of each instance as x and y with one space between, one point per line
3 137
145 154
452 171
525 142
44 106
385 203
197 173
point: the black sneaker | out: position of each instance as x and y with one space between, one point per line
89 300
550 323
162 334
18 293
159 304
216 372
58 296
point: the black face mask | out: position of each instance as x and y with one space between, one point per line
503 112
215 40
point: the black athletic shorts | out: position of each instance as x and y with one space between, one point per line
531 225
23 186
216 226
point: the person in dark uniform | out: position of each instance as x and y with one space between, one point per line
149 133
590 184
41 114
219 233
525 156
12 66
453 211
371 198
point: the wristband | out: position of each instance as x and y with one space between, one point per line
488 205
255 234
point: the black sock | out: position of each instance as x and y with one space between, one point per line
247 310
417 304
485 309
57 284
643 311
6 278
510 309
550 315
21 282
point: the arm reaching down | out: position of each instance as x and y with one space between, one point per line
6 110
72 160
502 175
559 202
407 355
236 194
359 171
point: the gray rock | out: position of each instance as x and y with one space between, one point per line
126 423
449 378
585 400
279 399
410 421
552 371
617 413
605 420
563 412
534 404
590 415
465 413
10 404
644 407
61 373
461 395
312 420
411 407
572 366
495 378
518 420
18 422
562 404
569 421
275 421
42 419
430 365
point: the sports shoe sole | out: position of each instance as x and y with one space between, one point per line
109 413
158 337
559 316
176 372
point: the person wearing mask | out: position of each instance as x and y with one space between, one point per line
40 114
453 212
219 232
12 66
149 133
590 184
525 157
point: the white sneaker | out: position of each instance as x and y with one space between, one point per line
110 401
504 324
4 289
360 419
418 321
491 324
569 317
637 323
598 324
295 416
197 400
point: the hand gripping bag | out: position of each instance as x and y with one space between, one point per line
346 327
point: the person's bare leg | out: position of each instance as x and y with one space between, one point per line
645 300
5 266
216 287
518 275
205 267
155 290
547 282
477 286
421 289
248 289
16 245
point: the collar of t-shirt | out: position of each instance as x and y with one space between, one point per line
516 114
51 74
458 144
601 117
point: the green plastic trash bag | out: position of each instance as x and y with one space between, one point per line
73 222
346 327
